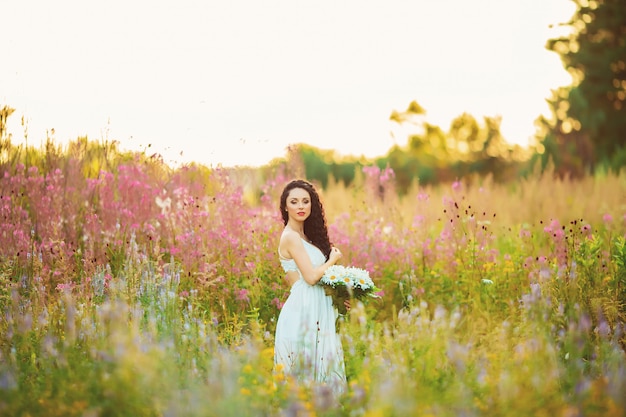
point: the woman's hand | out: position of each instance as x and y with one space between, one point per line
347 304
335 255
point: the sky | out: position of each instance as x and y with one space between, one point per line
235 82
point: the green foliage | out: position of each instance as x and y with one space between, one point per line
431 156
589 124
619 280
324 166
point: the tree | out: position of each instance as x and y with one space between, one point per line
5 138
5 112
589 123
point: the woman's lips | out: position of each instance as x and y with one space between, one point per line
300 213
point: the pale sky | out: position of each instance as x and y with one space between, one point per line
235 82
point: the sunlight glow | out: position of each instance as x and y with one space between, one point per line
237 82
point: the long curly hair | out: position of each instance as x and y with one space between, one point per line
315 225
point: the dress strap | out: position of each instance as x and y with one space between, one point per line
280 255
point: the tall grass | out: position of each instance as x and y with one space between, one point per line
131 288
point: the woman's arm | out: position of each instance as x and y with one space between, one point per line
292 246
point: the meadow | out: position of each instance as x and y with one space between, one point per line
132 289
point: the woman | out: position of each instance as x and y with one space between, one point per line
306 344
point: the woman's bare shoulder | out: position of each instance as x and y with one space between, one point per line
289 237
288 240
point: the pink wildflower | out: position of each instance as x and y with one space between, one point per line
65 287
528 261
387 175
276 302
242 295
586 229
174 250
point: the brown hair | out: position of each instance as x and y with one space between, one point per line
315 225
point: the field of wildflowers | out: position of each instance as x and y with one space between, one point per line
128 288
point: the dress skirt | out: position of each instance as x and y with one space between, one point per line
306 342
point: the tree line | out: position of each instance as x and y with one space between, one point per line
585 133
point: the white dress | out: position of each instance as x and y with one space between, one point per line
306 343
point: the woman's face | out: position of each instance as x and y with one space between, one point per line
298 204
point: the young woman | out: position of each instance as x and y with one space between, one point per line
306 343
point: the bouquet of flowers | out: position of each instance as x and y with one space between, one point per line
345 282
